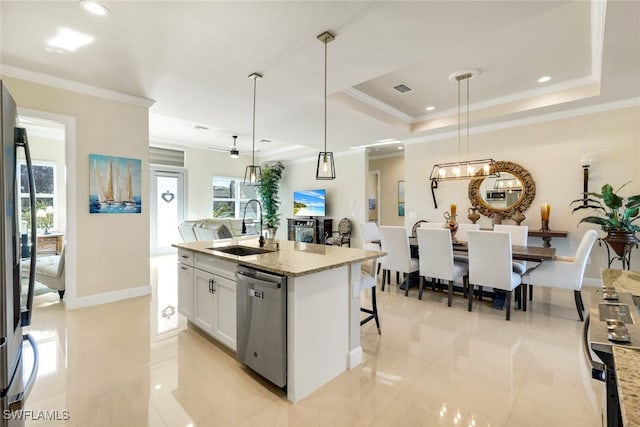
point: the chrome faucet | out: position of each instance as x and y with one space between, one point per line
244 226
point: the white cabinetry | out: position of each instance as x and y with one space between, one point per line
204 289
213 296
185 283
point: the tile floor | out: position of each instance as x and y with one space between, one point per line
136 363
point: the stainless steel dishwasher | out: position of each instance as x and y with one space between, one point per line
262 323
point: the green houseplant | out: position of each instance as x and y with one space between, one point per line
617 215
268 193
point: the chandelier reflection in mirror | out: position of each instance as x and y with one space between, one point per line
463 169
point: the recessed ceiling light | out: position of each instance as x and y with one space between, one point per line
94 8
69 40
430 108
544 79
401 148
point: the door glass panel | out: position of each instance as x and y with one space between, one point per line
167 211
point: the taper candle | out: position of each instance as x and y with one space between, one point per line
453 209
545 210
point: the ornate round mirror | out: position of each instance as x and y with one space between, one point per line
511 192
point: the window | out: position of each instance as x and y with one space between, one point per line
44 178
230 197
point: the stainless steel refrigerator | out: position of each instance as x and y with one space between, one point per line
15 309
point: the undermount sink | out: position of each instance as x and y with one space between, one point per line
241 250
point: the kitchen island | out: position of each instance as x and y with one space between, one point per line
626 360
323 304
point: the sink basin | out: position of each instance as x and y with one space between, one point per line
241 250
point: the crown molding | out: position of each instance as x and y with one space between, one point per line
46 79
542 118
376 103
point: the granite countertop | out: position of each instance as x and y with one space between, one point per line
623 280
292 259
628 379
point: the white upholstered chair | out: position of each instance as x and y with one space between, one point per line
490 264
519 236
371 241
463 228
431 225
396 244
566 272
436 259
370 236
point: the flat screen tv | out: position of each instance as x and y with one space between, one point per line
309 203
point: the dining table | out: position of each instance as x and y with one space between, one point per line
536 254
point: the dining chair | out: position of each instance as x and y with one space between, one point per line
463 228
371 241
490 264
368 281
436 260
432 225
519 236
396 244
565 272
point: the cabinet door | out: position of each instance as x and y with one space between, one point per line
185 291
203 285
225 312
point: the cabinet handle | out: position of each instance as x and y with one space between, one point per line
185 256
183 268
210 285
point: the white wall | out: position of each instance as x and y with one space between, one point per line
551 152
202 166
112 250
346 195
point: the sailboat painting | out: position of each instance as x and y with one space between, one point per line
115 185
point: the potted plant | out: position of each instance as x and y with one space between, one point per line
268 192
617 216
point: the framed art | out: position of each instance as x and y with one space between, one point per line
400 198
114 184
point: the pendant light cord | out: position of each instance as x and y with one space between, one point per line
459 121
468 78
325 95
253 131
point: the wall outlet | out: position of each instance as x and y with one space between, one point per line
356 289
412 215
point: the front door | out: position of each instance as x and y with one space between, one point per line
167 209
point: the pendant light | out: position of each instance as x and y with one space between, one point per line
253 173
467 169
234 153
325 168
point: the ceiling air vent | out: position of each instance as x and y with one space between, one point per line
402 88
200 127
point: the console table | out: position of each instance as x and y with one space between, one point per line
547 235
50 244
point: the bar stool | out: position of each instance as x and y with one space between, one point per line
368 281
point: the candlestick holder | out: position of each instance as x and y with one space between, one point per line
452 225
545 225
473 216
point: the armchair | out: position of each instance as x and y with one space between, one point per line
343 235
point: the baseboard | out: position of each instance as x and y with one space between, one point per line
355 357
107 297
